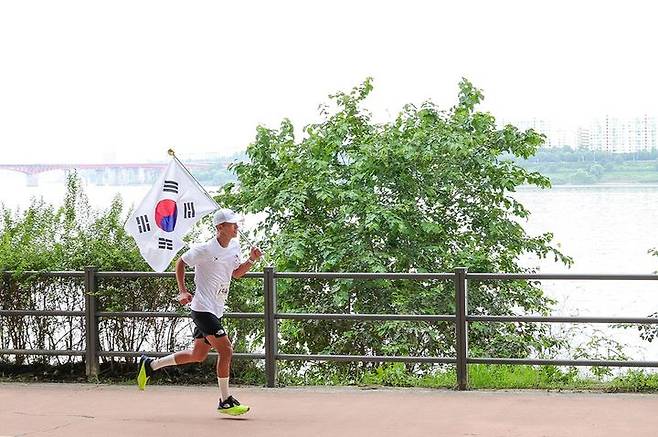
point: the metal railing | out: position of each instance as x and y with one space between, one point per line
461 319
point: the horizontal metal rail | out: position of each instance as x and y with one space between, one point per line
354 275
111 314
109 274
370 317
558 362
131 354
128 354
366 358
123 275
38 273
359 275
41 352
170 314
563 319
559 276
41 313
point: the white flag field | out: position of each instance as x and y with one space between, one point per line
172 206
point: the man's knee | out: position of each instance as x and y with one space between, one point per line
225 349
198 356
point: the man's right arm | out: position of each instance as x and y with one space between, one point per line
184 296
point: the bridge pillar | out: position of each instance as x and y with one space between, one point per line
32 180
96 176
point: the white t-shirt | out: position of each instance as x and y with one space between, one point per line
213 270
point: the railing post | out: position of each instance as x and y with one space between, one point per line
461 328
91 324
271 331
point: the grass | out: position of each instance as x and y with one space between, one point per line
480 376
494 377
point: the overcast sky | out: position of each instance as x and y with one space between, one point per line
88 81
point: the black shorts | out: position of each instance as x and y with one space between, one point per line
207 324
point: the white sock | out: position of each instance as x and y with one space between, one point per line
163 362
223 387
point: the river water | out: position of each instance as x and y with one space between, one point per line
606 229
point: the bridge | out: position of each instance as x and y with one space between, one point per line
101 174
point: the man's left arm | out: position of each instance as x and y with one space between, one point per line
254 255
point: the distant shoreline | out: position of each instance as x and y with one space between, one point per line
594 185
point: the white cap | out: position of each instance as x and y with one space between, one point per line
224 215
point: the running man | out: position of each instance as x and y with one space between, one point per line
215 263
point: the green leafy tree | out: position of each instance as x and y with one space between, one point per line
67 238
427 192
596 170
582 176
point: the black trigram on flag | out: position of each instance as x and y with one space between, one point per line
188 210
143 224
165 243
170 186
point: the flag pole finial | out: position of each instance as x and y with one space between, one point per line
171 152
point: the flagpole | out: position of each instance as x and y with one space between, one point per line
173 155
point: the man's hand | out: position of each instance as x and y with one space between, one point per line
255 254
184 297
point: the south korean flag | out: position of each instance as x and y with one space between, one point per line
172 206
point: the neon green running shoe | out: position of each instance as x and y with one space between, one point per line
144 371
232 407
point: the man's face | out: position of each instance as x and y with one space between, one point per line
228 229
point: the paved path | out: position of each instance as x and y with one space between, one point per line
74 410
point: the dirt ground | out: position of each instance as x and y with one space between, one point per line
73 410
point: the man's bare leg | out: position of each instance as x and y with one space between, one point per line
147 365
227 404
198 353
